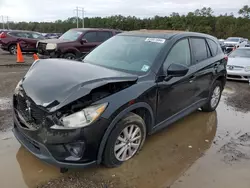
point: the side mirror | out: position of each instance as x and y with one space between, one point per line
177 70
84 40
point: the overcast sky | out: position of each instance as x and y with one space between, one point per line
50 10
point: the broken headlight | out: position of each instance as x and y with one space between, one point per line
82 118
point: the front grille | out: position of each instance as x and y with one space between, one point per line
32 114
234 76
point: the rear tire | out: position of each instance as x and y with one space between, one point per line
13 49
135 126
70 56
214 97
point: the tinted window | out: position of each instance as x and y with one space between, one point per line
18 34
71 35
199 49
179 54
126 53
91 36
103 35
213 46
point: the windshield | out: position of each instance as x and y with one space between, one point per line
240 53
71 35
233 39
127 53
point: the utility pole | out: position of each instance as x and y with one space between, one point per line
82 17
8 22
79 9
3 22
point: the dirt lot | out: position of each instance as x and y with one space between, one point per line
202 150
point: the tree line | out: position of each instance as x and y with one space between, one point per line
201 20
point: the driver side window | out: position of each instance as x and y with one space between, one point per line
179 54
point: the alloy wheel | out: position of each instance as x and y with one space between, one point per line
215 97
128 142
13 49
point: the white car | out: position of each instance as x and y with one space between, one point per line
234 42
238 66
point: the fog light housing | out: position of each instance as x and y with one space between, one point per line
76 150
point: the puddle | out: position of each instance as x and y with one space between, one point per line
164 157
226 163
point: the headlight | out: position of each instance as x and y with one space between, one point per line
247 69
83 118
50 46
17 89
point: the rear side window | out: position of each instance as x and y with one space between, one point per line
103 35
91 36
213 46
200 49
18 34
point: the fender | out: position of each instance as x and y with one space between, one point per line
115 120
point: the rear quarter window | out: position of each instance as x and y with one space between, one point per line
214 47
200 49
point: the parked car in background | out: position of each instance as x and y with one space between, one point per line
131 86
75 43
52 35
26 39
238 67
234 42
222 45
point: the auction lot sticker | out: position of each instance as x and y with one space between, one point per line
157 40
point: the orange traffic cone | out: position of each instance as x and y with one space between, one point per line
35 56
20 58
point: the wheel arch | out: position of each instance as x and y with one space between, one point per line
138 109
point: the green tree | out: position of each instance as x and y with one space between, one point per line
245 11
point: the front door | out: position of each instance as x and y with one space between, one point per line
177 93
91 41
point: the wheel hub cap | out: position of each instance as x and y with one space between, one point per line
215 97
128 142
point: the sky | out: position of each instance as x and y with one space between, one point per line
51 10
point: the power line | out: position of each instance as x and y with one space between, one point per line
3 18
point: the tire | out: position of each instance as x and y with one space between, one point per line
110 158
210 106
70 56
13 49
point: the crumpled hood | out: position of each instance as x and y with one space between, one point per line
239 61
64 81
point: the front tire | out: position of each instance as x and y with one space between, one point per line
13 49
70 56
125 140
214 97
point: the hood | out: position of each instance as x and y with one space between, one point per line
63 81
239 61
54 41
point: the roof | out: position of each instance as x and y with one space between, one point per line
95 29
166 34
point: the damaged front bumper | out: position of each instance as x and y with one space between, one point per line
56 147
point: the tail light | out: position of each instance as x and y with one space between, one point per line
3 35
226 58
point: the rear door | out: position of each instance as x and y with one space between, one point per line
32 39
204 61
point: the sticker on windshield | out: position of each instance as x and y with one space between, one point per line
145 68
157 40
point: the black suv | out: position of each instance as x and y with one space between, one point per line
71 113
